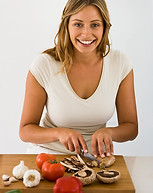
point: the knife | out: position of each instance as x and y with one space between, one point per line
89 156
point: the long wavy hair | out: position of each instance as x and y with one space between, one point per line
63 49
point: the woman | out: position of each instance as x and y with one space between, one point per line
80 82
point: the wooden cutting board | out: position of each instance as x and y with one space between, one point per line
8 161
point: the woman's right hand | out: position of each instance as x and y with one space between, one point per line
72 140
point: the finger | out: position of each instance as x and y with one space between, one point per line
111 147
94 145
76 145
101 147
107 146
83 144
71 146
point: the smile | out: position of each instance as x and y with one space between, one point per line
86 42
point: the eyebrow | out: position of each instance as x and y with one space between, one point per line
90 21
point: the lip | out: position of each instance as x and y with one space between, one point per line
86 42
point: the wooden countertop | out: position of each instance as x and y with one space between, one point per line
8 161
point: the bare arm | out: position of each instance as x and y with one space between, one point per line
34 102
127 119
126 111
30 131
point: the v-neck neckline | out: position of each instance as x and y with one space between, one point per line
94 93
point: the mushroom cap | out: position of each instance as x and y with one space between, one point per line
86 175
107 161
109 176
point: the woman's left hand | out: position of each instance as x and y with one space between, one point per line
101 141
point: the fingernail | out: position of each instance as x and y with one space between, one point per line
86 151
95 155
103 155
108 154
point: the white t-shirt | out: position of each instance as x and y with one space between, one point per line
66 109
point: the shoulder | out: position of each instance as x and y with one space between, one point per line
45 62
118 63
43 68
117 58
117 55
45 59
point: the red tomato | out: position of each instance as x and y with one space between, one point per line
52 171
42 157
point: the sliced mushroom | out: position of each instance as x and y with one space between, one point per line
109 176
86 175
106 161
72 164
68 170
69 166
92 164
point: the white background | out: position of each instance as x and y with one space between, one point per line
28 28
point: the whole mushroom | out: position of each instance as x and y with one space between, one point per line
86 175
108 176
107 161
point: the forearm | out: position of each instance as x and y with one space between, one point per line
36 134
123 132
70 138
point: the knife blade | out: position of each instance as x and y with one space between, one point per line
89 156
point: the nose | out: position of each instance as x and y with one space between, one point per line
86 30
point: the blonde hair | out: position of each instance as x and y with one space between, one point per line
63 50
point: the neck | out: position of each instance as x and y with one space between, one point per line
86 58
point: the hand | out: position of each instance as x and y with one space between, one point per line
100 139
72 140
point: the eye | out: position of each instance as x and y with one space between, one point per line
78 24
95 25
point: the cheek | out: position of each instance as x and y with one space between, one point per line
99 37
73 33
73 37
100 34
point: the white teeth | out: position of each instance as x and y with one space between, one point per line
86 42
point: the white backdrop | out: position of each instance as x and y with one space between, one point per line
28 27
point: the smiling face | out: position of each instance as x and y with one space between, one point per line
86 29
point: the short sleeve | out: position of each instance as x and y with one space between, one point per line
125 65
40 70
